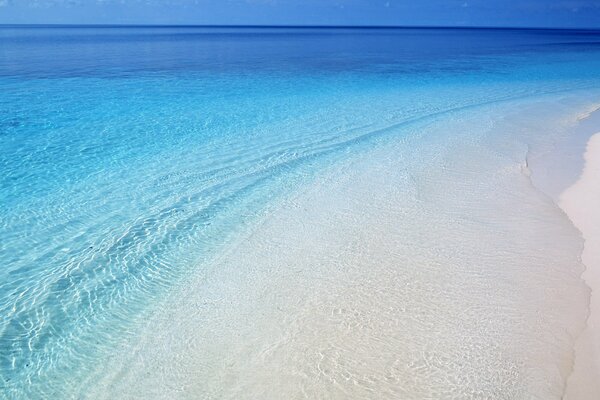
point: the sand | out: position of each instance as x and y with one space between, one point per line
428 267
581 202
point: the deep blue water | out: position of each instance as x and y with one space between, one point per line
130 155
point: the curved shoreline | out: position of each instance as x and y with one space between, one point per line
373 271
580 202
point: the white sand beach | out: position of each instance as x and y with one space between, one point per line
242 200
581 203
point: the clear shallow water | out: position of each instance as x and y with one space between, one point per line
132 157
426 268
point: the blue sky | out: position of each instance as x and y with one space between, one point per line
527 13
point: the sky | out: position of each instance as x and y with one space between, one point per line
509 13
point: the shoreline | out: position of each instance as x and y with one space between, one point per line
579 202
351 279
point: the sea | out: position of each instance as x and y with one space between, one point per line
290 212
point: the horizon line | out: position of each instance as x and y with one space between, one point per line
288 26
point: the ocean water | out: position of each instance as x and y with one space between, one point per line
275 212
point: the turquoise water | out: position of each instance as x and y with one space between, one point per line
131 157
